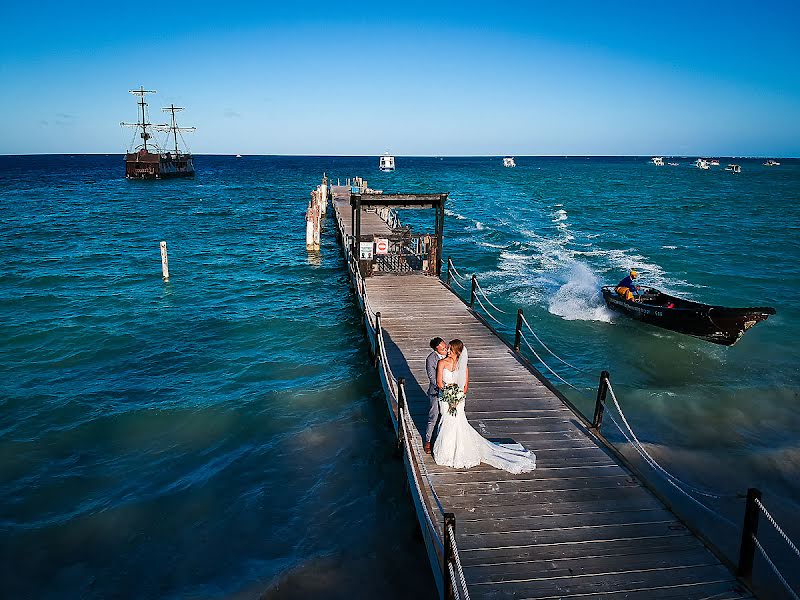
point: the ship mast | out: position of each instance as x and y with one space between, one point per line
141 92
173 127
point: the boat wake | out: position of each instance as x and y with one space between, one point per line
579 298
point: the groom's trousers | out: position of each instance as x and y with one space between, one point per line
433 416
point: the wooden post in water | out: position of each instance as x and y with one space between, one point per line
518 334
164 262
600 405
747 549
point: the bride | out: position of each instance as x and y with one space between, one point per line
457 444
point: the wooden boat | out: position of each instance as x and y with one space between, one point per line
717 324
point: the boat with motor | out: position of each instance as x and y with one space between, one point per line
772 163
702 163
386 163
149 161
734 168
657 161
508 161
713 162
717 324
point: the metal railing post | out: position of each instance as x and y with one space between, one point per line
377 339
472 295
448 558
449 266
749 530
401 405
518 334
600 405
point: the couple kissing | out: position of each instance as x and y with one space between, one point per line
449 435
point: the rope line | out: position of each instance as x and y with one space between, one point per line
453 267
453 582
777 527
546 366
774 568
454 548
486 310
425 470
454 280
485 297
428 519
652 461
538 339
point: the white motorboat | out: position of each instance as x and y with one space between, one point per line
702 163
713 162
772 163
734 168
657 161
386 163
508 161
674 164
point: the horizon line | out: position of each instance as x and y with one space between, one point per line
420 155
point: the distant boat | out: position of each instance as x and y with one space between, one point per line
717 324
657 161
701 163
386 163
508 161
734 168
151 162
238 156
713 162
772 163
674 164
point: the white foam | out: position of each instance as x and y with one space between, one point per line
669 247
579 296
450 213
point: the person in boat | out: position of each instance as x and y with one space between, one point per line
628 290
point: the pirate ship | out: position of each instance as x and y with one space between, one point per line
147 160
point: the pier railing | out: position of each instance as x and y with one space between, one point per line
437 525
750 542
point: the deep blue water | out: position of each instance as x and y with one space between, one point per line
223 435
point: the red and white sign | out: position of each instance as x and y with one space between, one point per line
382 246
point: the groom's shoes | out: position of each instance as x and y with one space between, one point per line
427 447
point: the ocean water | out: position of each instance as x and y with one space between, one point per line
223 435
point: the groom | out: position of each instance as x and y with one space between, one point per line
439 348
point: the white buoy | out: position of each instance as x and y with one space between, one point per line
164 261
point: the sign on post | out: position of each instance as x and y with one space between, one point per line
365 250
382 246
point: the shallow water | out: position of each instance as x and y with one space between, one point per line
223 435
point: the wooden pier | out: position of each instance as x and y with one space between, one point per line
581 525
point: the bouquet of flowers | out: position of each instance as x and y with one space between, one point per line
453 395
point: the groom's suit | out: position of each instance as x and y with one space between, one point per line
433 393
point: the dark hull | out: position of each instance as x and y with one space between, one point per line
145 165
717 324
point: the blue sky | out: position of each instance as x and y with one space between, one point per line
523 78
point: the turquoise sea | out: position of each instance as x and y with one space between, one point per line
223 435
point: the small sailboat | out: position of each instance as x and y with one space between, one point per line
386 163
508 161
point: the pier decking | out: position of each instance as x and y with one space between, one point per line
581 525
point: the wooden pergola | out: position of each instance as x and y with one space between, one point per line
433 242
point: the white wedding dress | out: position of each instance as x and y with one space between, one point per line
458 445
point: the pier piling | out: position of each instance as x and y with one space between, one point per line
164 262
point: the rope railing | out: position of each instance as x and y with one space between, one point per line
777 527
538 339
457 559
775 569
487 311
541 360
485 297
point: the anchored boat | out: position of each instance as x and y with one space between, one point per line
148 161
386 163
717 324
508 161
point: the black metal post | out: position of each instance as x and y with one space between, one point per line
440 235
448 558
518 334
748 548
600 405
472 295
449 267
401 405
377 338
